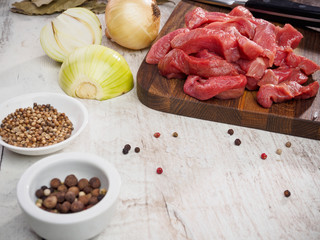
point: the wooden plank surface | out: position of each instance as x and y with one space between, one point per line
295 117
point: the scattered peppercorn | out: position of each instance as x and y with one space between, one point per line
279 151
125 151
175 134
37 126
263 156
288 144
230 131
287 193
237 142
156 134
159 170
127 146
67 197
137 149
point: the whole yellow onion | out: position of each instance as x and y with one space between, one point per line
133 24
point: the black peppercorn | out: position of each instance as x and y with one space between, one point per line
237 142
230 131
137 149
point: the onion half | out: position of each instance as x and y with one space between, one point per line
75 27
133 24
95 72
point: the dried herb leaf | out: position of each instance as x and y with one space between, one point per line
39 3
28 8
95 6
159 2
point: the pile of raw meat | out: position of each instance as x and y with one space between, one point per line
221 54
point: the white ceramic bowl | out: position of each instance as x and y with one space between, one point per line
73 108
80 225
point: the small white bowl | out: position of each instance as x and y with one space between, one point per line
73 108
80 225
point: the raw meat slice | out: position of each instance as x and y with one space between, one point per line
222 43
162 46
305 64
265 36
281 55
248 49
196 18
177 61
308 91
204 89
254 68
252 83
230 94
243 25
204 53
241 12
288 36
281 74
270 93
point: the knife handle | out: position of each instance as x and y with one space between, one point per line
287 9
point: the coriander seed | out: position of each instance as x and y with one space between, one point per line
288 144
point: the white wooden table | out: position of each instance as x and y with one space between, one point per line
210 188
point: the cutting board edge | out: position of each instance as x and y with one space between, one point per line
200 110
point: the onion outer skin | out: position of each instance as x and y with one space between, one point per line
75 27
95 72
133 24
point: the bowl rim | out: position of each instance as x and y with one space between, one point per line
29 206
50 148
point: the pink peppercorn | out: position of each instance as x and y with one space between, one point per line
159 170
263 156
156 135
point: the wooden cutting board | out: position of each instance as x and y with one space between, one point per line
295 117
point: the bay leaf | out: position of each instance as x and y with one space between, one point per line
39 3
160 2
28 8
95 6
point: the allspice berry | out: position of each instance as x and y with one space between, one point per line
95 192
83 182
70 196
75 190
93 200
39 193
50 202
87 189
77 206
71 180
55 183
62 188
84 199
65 207
60 196
95 182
